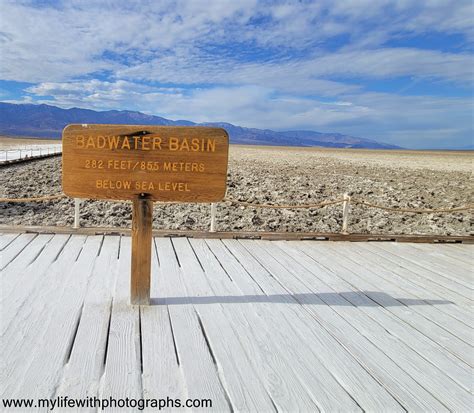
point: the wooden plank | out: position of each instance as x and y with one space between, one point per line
18 306
52 313
403 282
14 249
195 358
24 259
7 239
440 272
169 163
47 367
408 392
449 341
467 258
422 277
314 340
29 254
429 376
336 281
273 235
122 373
457 271
462 251
379 290
162 376
259 347
17 288
441 254
215 280
142 217
235 315
202 380
85 365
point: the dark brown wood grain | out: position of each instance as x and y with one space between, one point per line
141 251
165 163
310 236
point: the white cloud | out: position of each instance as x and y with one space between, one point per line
412 121
310 75
78 38
255 63
393 62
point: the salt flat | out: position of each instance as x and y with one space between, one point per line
251 325
281 176
449 161
7 142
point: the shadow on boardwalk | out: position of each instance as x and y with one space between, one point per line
344 298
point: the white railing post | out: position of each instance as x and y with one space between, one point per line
213 216
345 212
77 204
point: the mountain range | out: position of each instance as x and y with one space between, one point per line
48 121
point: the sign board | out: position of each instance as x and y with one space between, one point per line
163 163
144 164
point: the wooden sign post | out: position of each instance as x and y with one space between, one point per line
144 164
142 218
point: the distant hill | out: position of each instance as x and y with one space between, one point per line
49 121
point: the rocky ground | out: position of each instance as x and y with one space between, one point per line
279 176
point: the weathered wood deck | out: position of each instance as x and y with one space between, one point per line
252 325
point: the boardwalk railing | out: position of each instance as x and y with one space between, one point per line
28 152
345 200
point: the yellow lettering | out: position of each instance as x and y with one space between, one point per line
173 144
101 142
156 143
136 139
211 145
184 145
90 142
146 143
108 184
113 142
126 143
195 144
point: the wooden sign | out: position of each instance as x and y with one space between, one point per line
166 163
144 164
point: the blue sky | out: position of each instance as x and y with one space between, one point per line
395 71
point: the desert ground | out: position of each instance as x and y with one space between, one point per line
277 175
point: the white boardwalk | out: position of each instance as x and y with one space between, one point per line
252 325
28 151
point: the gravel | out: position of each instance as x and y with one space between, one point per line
278 176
